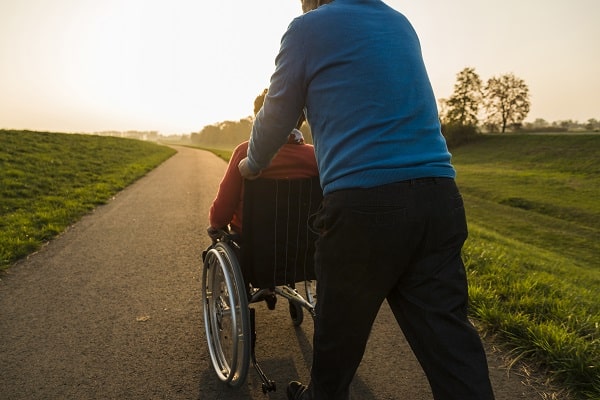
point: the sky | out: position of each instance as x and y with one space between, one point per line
175 66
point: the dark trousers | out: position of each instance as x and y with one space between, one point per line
401 242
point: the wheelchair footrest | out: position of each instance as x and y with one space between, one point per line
267 384
293 296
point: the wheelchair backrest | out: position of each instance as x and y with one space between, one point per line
278 243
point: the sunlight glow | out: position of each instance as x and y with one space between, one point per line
176 66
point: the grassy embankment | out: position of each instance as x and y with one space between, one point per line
532 255
49 180
221 153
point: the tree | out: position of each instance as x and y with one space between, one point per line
506 101
592 124
540 123
462 108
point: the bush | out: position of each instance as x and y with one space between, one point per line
456 134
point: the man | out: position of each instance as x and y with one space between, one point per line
392 224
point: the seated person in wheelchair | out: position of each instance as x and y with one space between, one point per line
294 160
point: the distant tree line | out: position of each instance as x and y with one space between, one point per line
499 105
228 134
224 135
540 124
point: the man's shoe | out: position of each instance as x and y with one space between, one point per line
297 391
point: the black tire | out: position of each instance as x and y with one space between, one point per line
226 315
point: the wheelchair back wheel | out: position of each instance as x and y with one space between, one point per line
226 315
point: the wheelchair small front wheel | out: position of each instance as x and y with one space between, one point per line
226 315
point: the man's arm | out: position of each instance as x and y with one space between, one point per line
283 105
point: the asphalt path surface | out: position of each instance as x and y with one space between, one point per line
111 309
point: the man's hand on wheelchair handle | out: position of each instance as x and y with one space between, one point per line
246 171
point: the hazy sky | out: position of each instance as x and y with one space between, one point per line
178 65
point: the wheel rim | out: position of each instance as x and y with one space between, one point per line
225 318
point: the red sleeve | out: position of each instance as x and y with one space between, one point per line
228 200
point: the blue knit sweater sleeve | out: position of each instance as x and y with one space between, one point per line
283 104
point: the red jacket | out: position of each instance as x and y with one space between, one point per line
293 161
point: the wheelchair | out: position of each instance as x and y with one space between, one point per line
275 253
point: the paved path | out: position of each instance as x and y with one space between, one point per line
111 310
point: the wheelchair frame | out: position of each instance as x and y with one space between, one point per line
229 320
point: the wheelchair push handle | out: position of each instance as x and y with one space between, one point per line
219 234
222 235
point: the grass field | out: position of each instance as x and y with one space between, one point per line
49 180
533 204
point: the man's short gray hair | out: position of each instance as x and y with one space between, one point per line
308 5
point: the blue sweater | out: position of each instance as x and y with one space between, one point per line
356 68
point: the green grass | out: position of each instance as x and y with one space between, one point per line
224 154
532 255
49 180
